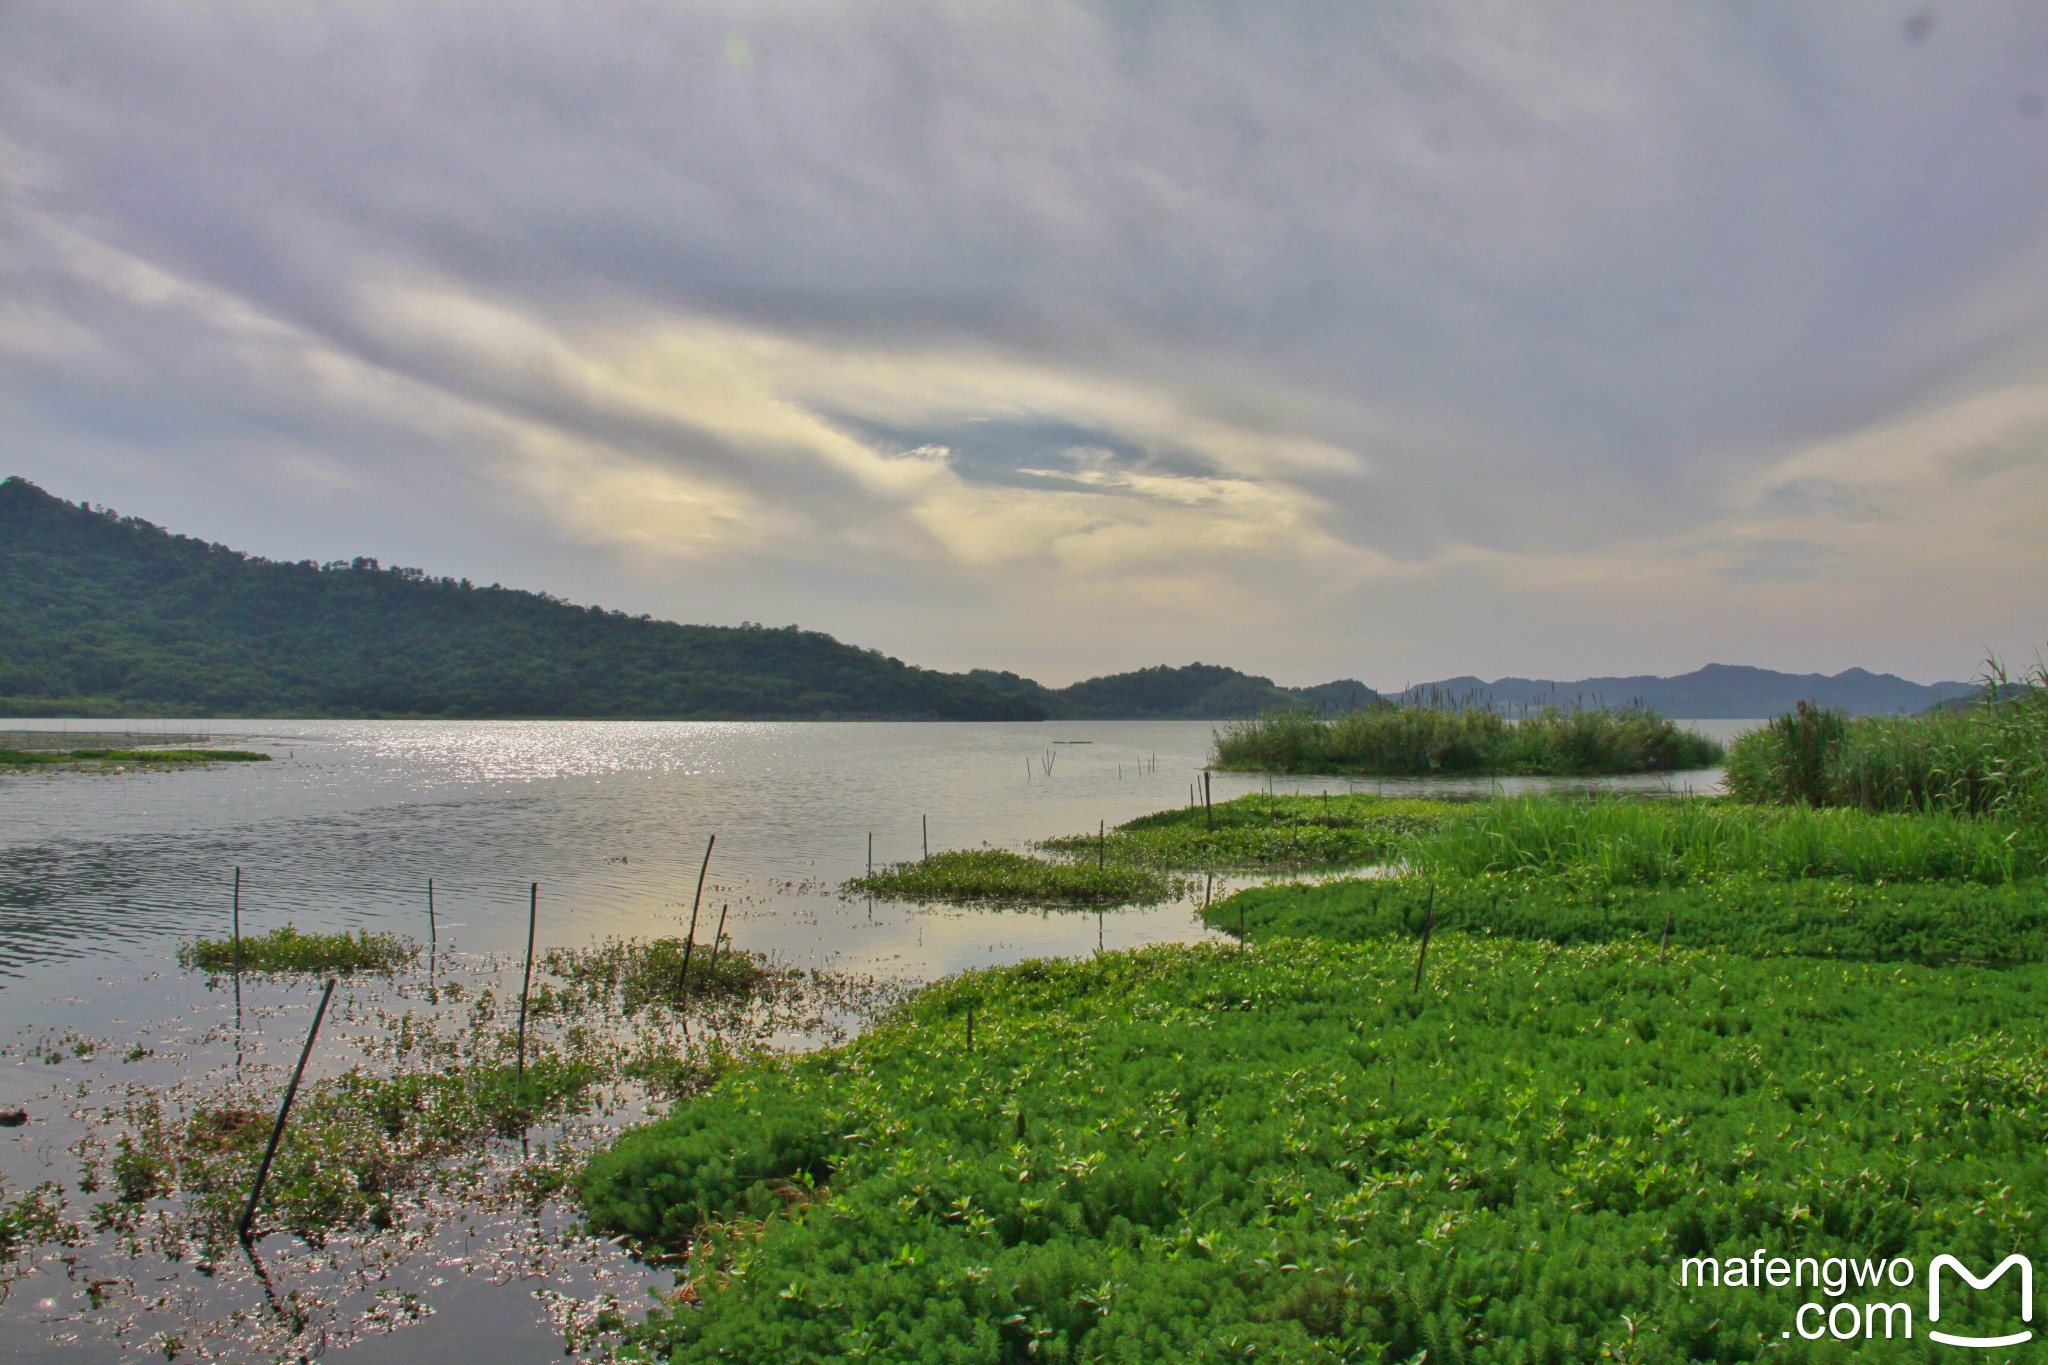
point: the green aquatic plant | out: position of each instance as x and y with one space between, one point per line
997 875
1389 740
1926 922
1295 1154
286 949
1261 832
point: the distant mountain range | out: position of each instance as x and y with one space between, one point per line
108 615
1716 692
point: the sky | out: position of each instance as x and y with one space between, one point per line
1389 341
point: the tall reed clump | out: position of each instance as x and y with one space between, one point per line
1387 740
1989 758
1651 843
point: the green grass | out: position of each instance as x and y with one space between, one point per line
1262 833
1625 842
27 758
1926 922
1985 759
285 949
1195 1154
999 876
1387 740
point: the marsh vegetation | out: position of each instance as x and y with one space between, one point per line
1471 1110
101 758
1989 757
1390 740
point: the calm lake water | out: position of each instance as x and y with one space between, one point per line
103 874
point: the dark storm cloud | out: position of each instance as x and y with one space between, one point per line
1388 339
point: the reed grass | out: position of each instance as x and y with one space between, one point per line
1633 842
1987 758
998 875
1388 740
1260 832
286 949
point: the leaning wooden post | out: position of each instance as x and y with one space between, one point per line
683 982
1208 808
711 967
526 984
433 929
283 1112
1665 946
1428 922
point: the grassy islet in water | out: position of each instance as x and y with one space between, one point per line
1000 876
286 949
1389 740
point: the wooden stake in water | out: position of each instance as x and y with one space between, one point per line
711 967
1208 807
1428 922
683 984
526 983
925 823
238 925
871 842
433 929
1101 843
284 1112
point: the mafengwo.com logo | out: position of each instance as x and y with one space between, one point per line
1872 1299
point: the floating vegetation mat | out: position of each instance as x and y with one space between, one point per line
420 1152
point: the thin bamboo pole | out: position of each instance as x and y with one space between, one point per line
283 1112
526 983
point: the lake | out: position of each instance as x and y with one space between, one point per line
102 875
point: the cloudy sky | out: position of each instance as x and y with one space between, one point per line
1376 340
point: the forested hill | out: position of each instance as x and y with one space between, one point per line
1193 692
101 614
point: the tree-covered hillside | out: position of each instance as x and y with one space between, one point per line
1193 692
102 614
